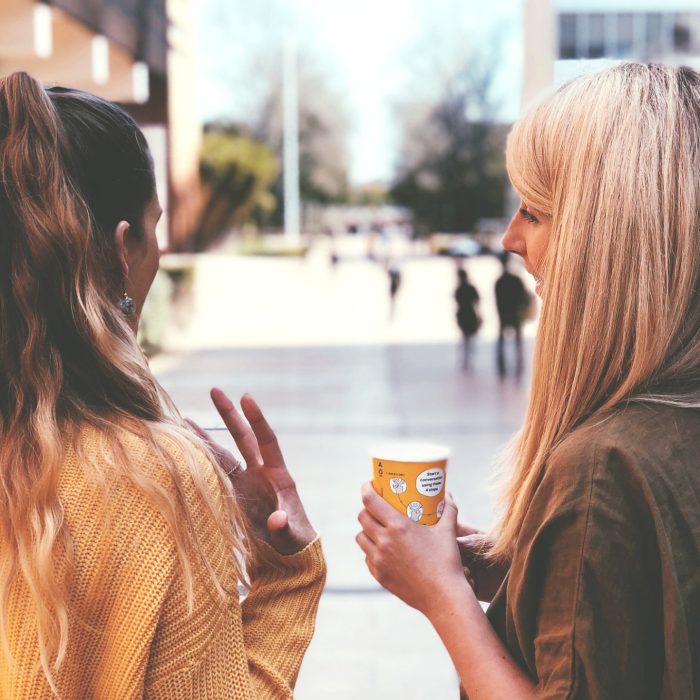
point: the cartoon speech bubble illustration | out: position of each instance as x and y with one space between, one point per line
431 481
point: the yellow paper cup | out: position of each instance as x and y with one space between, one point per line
411 477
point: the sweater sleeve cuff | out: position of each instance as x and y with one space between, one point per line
273 565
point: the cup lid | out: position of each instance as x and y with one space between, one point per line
411 452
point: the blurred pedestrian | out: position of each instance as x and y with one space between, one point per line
593 573
468 317
394 272
333 257
512 302
124 533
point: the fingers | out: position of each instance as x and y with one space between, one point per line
241 432
366 545
198 430
473 542
471 549
277 521
282 537
370 551
370 526
448 521
463 530
225 459
280 534
377 507
267 440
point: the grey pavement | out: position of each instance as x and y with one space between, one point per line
316 348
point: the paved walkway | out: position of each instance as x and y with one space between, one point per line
330 402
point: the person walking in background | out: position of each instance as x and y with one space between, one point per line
394 272
468 318
124 535
512 302
593 572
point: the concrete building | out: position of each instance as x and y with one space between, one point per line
139 53
564 38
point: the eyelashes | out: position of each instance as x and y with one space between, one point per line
530 218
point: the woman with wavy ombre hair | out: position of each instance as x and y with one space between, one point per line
593 575
124 533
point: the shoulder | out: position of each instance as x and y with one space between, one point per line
633 435
624 455
150 503
141 484
170 458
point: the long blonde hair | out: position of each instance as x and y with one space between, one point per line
71 166
614 160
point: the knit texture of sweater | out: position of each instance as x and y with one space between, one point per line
131 633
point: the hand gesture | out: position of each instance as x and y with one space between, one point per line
264 489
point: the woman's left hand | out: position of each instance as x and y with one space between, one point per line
264 489
415 562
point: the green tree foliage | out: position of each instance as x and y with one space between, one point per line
244 71
452 169
237 175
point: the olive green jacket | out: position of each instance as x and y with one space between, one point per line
602 599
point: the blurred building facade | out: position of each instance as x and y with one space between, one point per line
139 53
566 37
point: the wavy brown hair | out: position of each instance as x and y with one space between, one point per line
614 160
71 167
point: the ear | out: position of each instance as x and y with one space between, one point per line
120 233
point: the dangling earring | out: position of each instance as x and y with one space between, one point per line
126 305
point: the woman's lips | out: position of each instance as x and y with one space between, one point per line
539 281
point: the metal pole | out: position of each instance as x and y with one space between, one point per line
291 145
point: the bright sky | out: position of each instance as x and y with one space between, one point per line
373 51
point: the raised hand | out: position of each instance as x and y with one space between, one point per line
264 489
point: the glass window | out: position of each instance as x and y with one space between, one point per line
653 38
596 35
624 40
694 25
682 40
567 35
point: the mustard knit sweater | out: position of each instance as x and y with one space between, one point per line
130 632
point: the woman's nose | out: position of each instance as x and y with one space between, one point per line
512 240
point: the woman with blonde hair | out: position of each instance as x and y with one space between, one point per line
593 574
124 535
